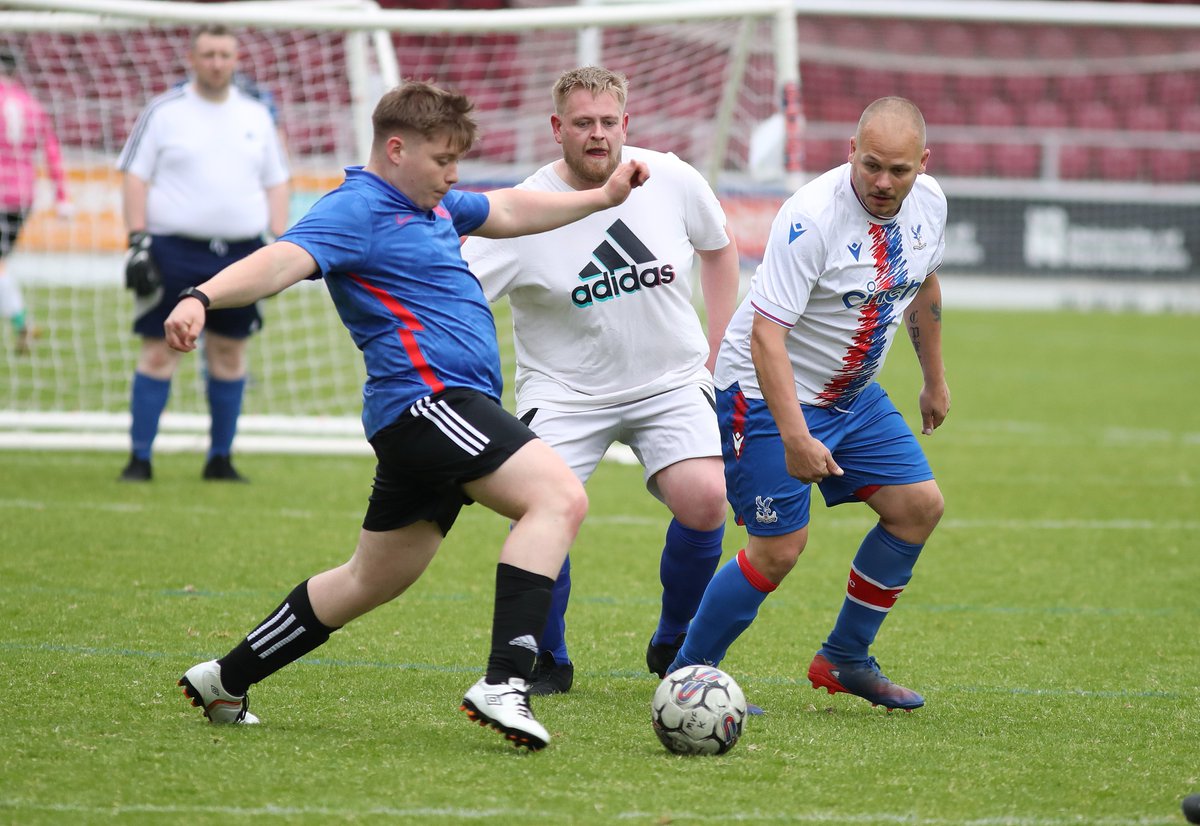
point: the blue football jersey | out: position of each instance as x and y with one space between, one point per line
403 291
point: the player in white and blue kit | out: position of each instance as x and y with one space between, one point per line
386 243
195 200
851 257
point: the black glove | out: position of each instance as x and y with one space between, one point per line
141 275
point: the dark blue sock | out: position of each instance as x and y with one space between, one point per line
224 405
147 401
729 605
689 558
554 637
881 569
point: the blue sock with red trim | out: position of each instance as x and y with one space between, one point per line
730 604
881 569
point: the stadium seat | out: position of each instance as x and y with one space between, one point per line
1046 114
1013 160
993 111
1054 43
1175 88
1187 119
967 160
1074 163
945 111
1125 90
1118 163
923 88
1171 166
953 40
970 88
1074 90
1006 42
1094 114
1147 117
1024 90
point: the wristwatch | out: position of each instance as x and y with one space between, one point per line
192 292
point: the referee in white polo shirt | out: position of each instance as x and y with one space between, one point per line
205 177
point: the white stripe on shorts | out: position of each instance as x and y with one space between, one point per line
456 428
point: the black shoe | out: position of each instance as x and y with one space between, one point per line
660 656
220 469
138 470
549 677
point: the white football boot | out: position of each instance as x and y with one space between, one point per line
202 685
505 707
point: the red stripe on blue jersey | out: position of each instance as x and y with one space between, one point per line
410 325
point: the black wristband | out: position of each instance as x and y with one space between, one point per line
139 238
192 292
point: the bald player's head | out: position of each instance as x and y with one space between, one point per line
887 153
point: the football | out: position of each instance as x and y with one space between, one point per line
698 709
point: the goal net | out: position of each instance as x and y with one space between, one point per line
703 76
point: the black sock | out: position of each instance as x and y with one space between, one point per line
522 604
286 635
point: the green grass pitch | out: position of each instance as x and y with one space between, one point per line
1052 626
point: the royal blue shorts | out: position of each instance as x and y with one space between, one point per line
183 263
869 440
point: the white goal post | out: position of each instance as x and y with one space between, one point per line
703 74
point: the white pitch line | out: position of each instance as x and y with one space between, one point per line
454 814
637 519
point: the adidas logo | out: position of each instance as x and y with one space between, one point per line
613 270
525 641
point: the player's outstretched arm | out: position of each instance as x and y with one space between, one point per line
924 323
265 272
525 212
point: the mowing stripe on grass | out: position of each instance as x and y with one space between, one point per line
458 813
323 662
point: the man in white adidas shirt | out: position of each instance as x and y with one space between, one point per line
851 257
609 346
205 178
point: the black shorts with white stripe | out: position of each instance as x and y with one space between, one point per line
425 457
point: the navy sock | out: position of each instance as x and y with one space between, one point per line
881 569
287 634
689 559
730 604
554 635
522 602
224 406
147 401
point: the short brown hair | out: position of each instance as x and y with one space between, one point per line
212 29
595 79
419 106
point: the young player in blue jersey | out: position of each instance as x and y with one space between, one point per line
387 244
851 257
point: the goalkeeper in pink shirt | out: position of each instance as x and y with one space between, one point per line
25 133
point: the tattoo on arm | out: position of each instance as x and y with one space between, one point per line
914 333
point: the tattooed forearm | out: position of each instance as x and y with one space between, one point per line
914 332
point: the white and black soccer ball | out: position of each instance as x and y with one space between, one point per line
698 709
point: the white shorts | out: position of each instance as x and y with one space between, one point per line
661 430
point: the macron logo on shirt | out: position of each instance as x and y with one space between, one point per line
796 230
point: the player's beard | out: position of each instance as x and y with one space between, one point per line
593 171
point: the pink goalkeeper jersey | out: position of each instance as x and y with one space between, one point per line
25 131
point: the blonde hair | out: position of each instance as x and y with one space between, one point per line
594 79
